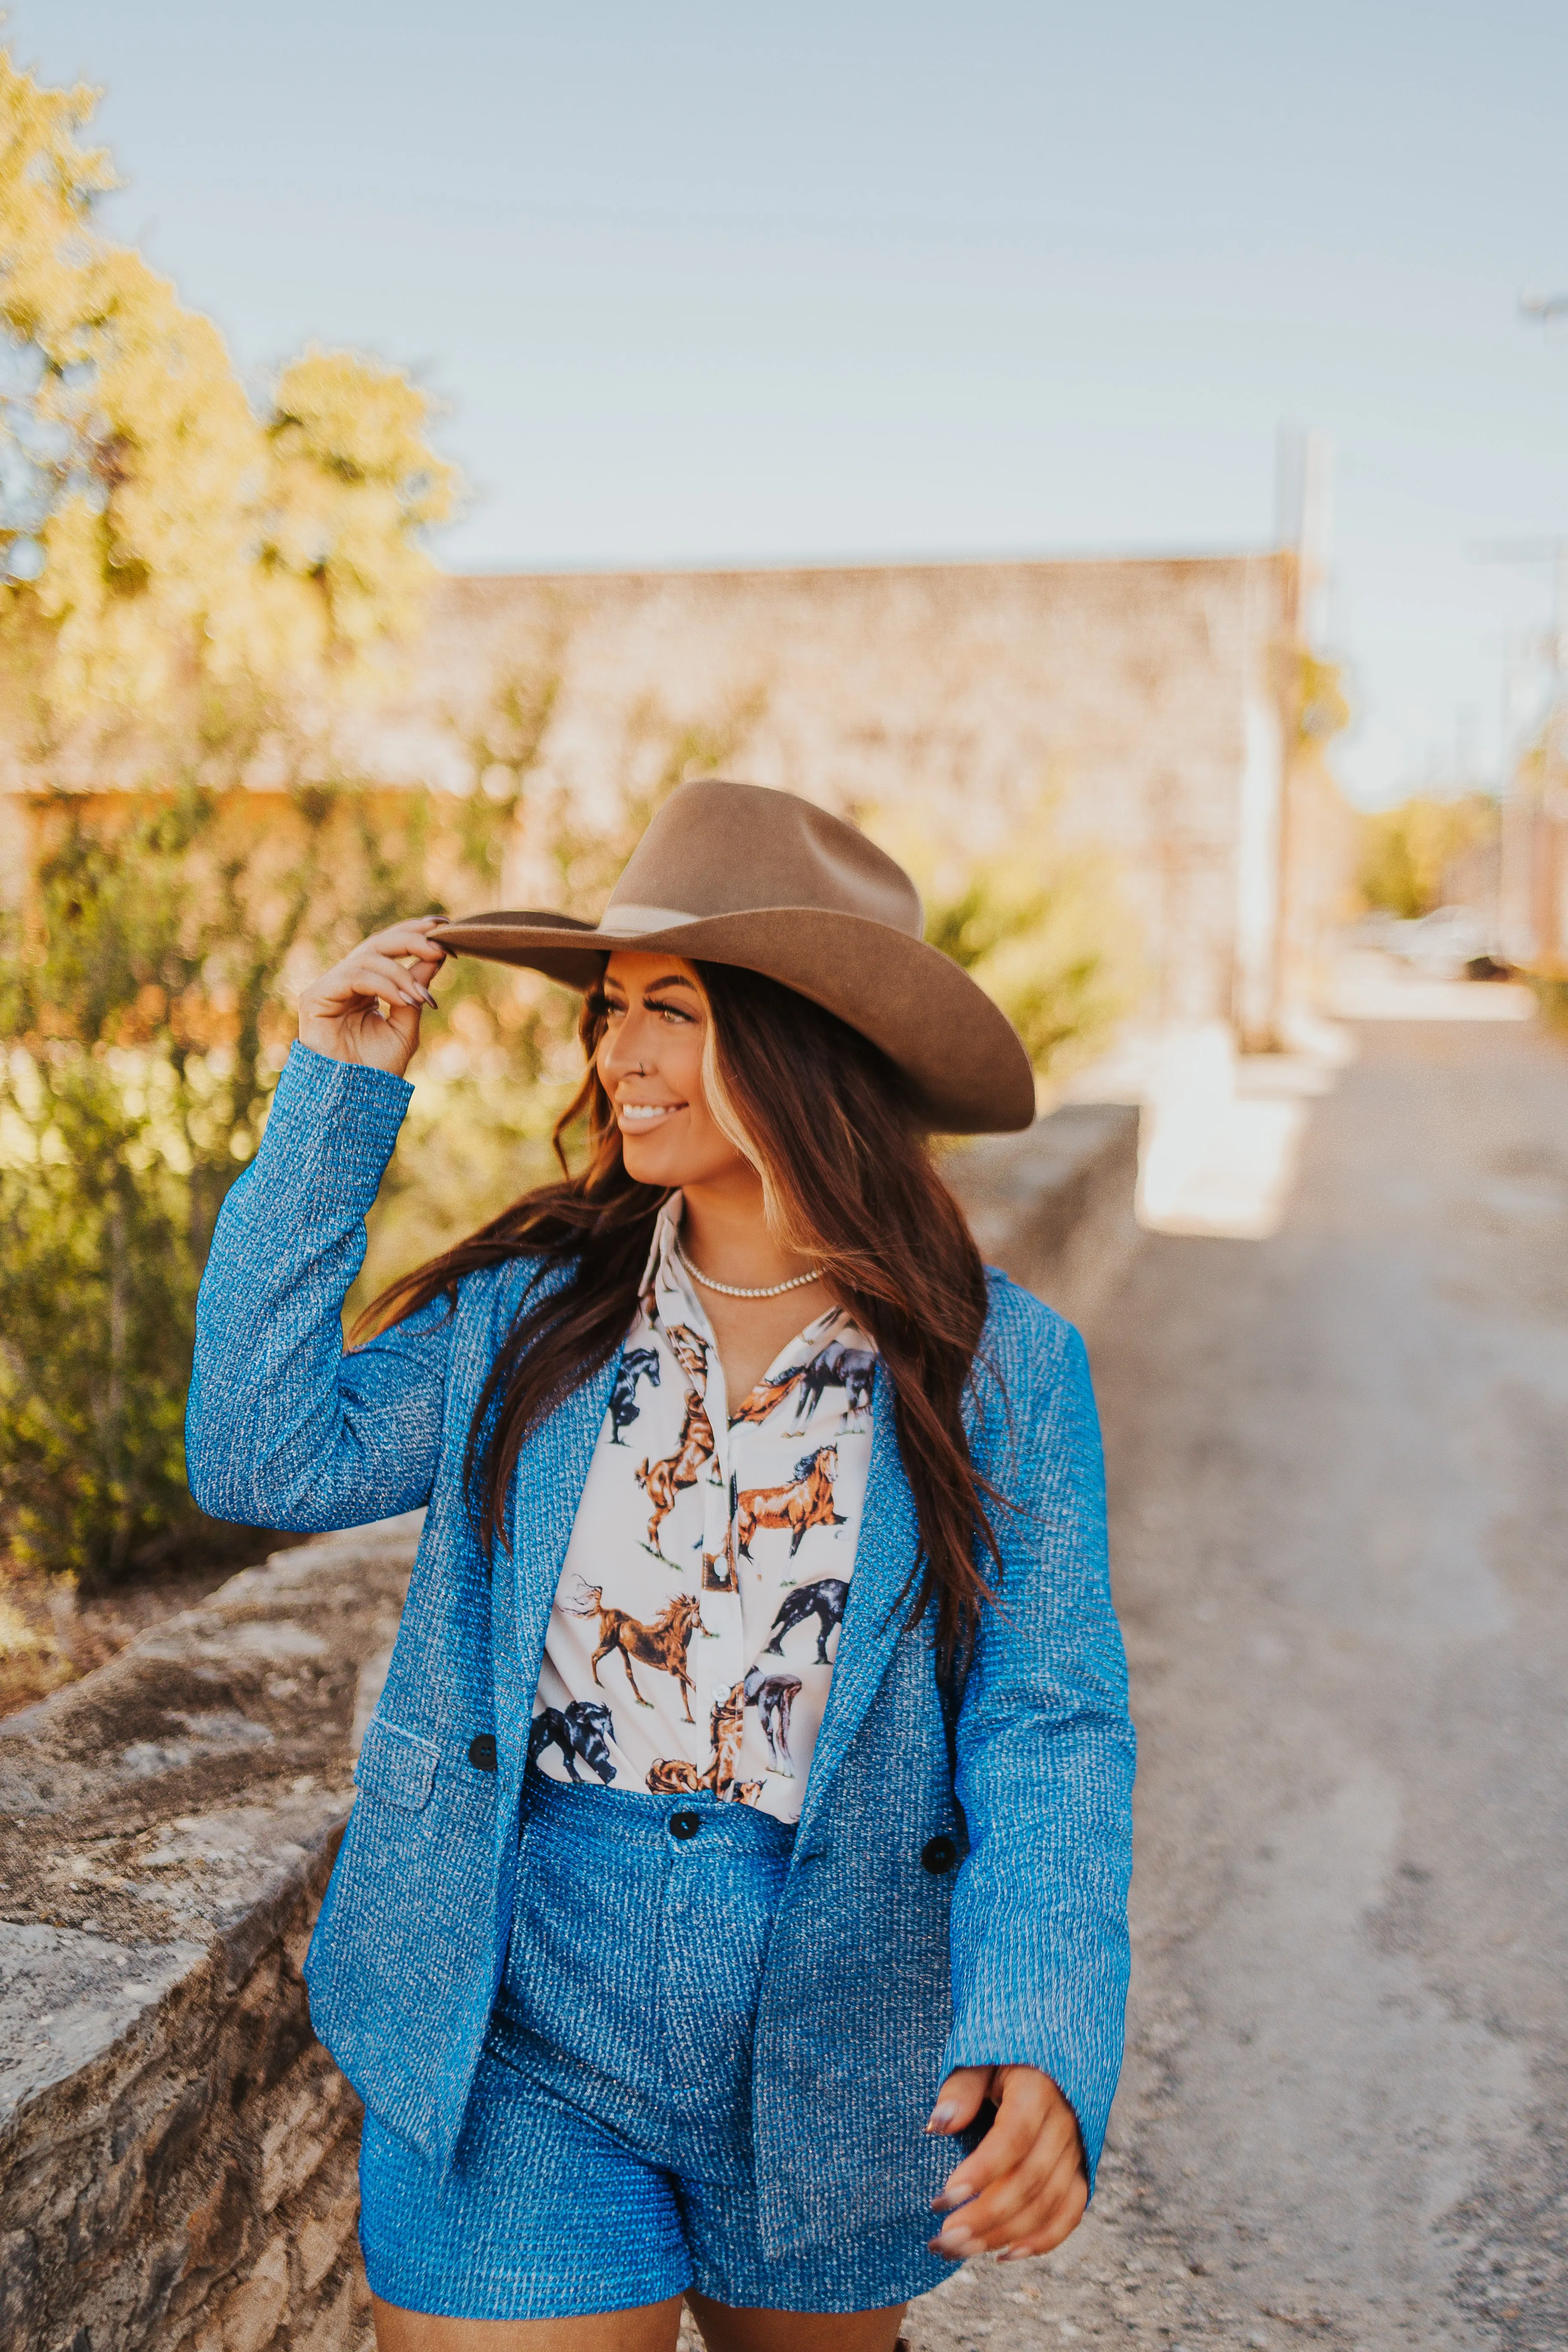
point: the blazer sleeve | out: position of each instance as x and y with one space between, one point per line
283 1428
1045 1752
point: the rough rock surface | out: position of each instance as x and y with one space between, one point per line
176 2151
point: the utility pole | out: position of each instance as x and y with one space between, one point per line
1283 878
1530 913
1303 504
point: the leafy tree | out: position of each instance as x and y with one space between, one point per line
1408 852
183 575
161 542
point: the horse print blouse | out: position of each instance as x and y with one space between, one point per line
693 1637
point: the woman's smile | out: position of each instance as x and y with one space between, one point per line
638 1116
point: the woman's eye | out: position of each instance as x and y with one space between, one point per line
671 1012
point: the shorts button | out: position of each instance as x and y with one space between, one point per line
939 1853
685 1825
482 1752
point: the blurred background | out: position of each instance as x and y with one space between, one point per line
1119 457
1121 441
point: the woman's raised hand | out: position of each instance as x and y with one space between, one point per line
1023 2189
340 1015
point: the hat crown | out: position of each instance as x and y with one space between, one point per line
717 848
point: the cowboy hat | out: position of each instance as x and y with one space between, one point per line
741 874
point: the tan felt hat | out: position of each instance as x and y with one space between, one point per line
741 874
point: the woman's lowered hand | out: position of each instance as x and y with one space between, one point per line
1025 2188
340 1015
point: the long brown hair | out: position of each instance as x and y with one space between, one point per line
847 1180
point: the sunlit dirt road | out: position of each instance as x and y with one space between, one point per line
1340 1518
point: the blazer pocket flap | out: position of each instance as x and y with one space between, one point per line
397 1765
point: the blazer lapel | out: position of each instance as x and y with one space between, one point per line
885 1555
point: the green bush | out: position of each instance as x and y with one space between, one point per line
1040 925
146 1010
144 1017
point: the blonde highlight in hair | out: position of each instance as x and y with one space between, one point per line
777 1205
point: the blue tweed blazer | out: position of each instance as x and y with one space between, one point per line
881 1975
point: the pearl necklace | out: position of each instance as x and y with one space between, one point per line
734 1290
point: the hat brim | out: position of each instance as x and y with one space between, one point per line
964 1062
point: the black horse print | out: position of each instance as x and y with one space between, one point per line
838 1366
637 1364
772 1695
824 1600
584 1728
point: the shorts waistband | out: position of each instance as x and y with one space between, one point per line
629 1818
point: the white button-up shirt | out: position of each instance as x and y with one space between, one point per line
692 1639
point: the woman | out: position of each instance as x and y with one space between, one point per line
746 1815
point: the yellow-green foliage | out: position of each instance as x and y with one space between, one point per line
146 1008
158 538
1312 691
1040 926
144 1015
1406 853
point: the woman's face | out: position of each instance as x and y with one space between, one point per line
650 1065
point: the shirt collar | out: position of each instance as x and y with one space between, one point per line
666 1285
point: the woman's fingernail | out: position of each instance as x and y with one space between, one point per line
429 998
942 2117
956 2240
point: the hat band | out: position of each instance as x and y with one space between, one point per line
635 919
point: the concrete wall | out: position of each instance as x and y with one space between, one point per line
176 2151
1141 694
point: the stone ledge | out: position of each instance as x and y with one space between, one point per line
176 2150
173 2141
1054 1207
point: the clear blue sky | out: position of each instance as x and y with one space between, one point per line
710 283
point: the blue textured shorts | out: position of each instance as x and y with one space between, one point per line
606 2159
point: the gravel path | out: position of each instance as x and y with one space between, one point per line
1340 1507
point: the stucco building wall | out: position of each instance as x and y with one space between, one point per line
1138 694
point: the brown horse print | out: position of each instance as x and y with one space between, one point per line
664 1644
805 1503
726 1728
767 1396
689 1351
663 1481
824 1600
772 1695
718 1570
